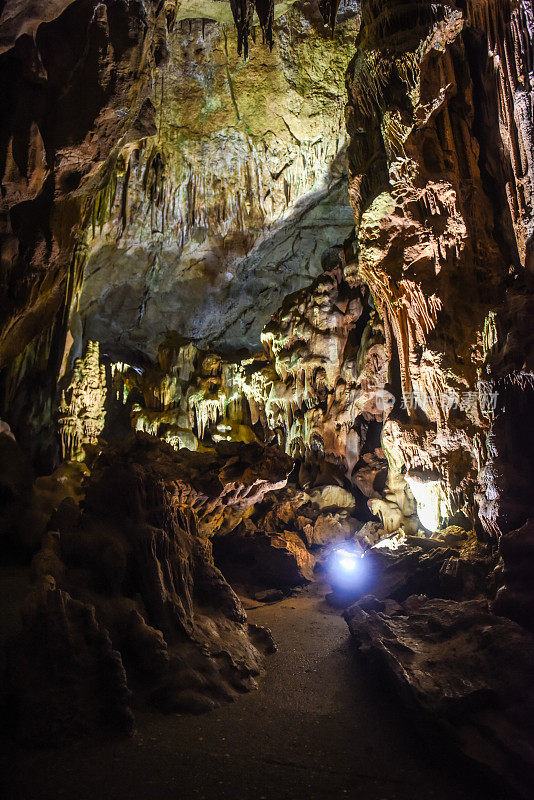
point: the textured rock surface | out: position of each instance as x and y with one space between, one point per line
63 676
82 409
515 597
192 195
318 389
57 152
440 173
127 599
232 205
461 667
441 185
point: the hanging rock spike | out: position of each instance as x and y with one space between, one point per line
243 12
265 12
328 9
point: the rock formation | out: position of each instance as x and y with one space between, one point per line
440 165
211 252
58 153
126 598
318 388
82 408
434 214
317 319
424 645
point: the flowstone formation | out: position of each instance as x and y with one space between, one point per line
440 173
124 587
443 211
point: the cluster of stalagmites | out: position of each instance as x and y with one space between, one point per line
82 407
318 390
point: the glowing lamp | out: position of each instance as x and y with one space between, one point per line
347 561
345 568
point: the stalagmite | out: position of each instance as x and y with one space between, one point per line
81 410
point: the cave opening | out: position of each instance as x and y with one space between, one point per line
266 393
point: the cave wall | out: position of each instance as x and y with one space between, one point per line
148 221
136 239
56 153
318 389
440 118
204 171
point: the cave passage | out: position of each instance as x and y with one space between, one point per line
320 726
267 399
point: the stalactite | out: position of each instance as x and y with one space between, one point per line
329 9
243 12
265 11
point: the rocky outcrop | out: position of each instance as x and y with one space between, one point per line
57 153
64 677
440 174
457 665
318 390
127 601
434 215
515 598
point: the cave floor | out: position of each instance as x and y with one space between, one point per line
319 726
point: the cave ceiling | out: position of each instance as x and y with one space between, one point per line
236 200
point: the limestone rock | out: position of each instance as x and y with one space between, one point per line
463 668
332 497
370 473
130 582
59 153
370 533
258 559
212 253
515 598
420 160
329 528
82 408
64 678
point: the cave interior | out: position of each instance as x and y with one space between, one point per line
267 399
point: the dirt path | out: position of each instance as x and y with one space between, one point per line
318 727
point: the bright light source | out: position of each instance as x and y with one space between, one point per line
345 568
347 562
